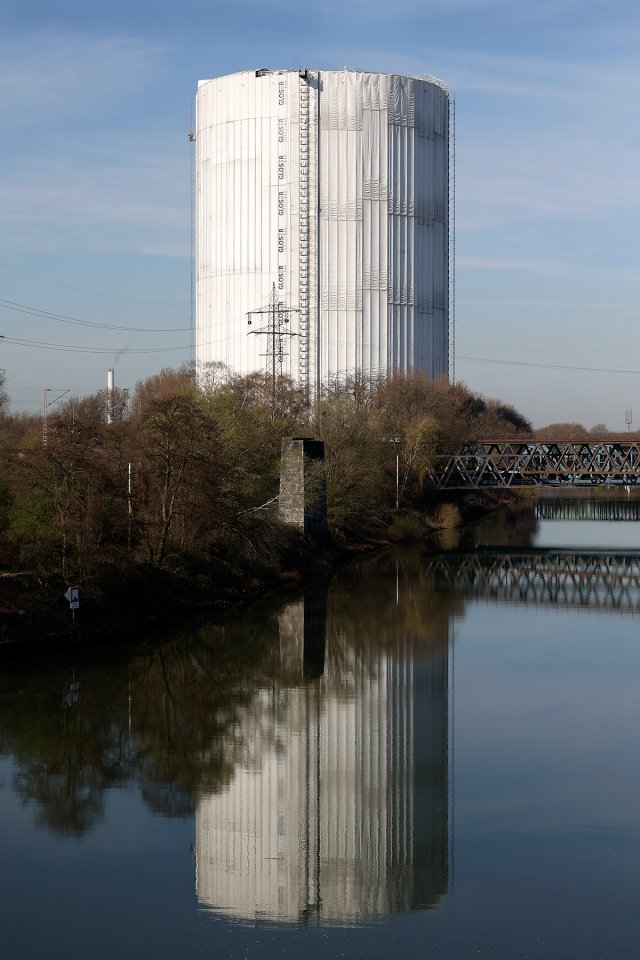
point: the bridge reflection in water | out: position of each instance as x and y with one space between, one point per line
593 581
339 813
605 509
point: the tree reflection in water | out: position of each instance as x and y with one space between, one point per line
172 719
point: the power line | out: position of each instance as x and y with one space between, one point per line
63 318
44 345
93 293
20 386
76 348
547 366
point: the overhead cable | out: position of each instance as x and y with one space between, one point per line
93 293
547 366
69 348
63 318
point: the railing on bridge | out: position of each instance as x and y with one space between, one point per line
528 463
594 581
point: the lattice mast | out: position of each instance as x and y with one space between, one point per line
275 332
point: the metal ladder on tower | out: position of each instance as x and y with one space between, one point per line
303 272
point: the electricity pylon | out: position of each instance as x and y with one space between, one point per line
278 317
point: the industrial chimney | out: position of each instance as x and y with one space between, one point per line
110 417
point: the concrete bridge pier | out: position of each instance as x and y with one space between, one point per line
303 489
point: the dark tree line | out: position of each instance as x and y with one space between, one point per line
187 478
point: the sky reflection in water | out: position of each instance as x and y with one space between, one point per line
387 766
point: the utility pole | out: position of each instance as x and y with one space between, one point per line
129 510
46 403
45 407
278 316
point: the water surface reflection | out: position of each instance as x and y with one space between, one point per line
610 509
283 784
310 745
597 580
340 812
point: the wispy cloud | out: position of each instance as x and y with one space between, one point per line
517 10
497 263
612 81
78 168
48 76
125 200
551 141
546 177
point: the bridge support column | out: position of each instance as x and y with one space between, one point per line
303 492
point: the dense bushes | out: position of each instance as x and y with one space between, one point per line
188 476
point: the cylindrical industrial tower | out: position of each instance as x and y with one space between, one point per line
322 203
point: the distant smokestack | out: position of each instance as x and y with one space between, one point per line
110 395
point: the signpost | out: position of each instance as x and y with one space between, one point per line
72 697
72 596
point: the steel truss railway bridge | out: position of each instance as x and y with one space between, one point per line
594 581
532 463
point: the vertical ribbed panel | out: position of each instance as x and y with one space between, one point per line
247 214
334 186
383 224
341 223
338 802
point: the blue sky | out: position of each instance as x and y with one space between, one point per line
95 104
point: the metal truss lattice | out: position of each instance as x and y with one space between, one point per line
600 581
517 463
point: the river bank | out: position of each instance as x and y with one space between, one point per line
127 602
481 717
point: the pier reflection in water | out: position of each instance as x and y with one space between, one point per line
282 784
309 744
340 813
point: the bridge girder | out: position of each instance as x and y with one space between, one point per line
528 463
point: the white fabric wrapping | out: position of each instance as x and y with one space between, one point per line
333 186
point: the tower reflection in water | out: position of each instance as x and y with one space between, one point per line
340 812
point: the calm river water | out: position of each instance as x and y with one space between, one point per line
433 755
